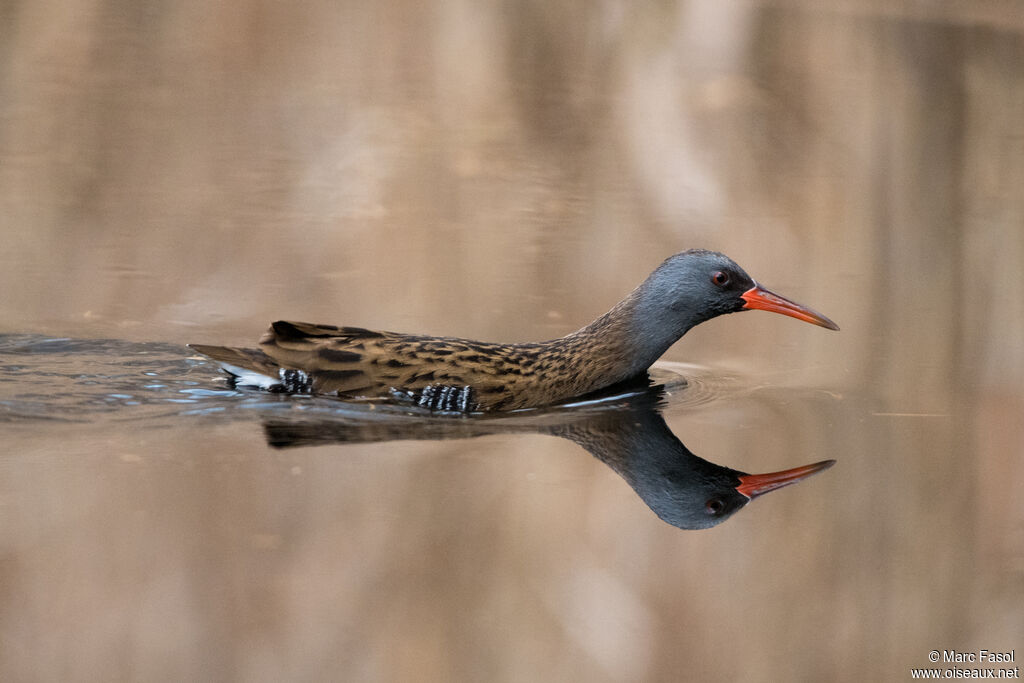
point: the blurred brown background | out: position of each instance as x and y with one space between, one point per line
190 171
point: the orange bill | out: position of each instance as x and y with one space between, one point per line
760 298
754 485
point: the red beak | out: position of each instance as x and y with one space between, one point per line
759 297
754 485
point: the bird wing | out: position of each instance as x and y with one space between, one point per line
436 372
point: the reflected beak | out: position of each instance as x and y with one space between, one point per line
754 485
759 297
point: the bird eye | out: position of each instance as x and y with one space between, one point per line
714 506
720 278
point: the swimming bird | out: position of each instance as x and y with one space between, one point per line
451 375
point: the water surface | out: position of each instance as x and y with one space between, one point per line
185 173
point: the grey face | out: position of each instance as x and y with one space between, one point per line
696 504
694 286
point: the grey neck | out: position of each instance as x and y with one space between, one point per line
637 331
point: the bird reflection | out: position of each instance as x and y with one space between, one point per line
629 435
683 489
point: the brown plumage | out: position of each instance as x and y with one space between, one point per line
461 375
357 363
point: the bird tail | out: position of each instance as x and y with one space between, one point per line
248 367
